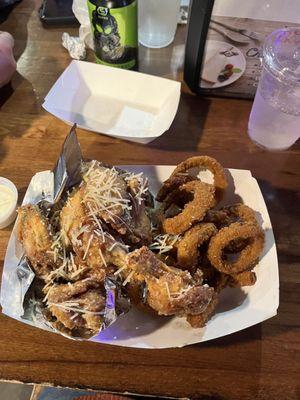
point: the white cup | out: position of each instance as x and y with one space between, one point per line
158 22
10 214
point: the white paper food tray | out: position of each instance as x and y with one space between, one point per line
237 309
125 104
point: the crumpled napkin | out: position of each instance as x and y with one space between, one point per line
75 46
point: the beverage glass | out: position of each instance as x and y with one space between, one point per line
157 22
275 116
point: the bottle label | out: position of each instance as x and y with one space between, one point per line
115 34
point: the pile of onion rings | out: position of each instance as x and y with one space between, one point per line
223 245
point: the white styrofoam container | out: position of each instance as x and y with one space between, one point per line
125 104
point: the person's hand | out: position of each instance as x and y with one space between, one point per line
7 62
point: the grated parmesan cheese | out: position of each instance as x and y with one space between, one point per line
127 280
88 246
76 308
102 190
164 242
120 270
168 290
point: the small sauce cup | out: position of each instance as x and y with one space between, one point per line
9 214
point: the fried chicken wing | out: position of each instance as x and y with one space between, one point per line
78 305
140 227
85 234
118 198
100 250
73 216
35 234
170 291
106 196
199 320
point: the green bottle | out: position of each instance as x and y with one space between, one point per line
114 26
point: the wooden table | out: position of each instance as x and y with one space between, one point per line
259 363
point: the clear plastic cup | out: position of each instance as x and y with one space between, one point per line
157 22
275 116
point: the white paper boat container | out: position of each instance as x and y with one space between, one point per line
238 308
116 102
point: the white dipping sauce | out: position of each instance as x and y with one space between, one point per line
6 199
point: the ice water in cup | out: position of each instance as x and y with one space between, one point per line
157 22
275 116
272 124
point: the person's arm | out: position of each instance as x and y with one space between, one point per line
7 62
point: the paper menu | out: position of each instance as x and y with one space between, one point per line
214 62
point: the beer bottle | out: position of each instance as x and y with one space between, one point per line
114 26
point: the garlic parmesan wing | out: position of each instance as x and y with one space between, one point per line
170 291
35 234
73 216
78 305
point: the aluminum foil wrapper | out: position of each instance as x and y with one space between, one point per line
75 46
19 290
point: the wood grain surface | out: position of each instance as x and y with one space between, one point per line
261 362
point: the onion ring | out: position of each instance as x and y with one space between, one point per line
187 248
220 180
172 184
229 214
193 211
246 257
241 212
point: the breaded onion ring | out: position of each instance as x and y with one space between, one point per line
187 249
193 211
229 214
172 184
241 212
220 180
246 257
